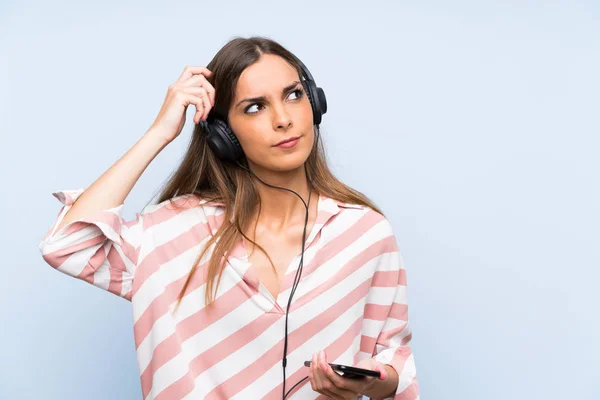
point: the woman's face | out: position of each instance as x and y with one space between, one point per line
270 105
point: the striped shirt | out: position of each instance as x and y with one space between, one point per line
351 300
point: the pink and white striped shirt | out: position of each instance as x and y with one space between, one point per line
351 300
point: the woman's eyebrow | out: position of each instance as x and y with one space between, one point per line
263 98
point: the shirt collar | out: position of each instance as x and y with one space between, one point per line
326 209
327 205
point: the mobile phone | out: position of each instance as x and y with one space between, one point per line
350 372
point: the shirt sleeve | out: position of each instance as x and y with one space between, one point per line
101 249
387 306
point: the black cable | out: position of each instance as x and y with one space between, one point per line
298 270
300 266
292 388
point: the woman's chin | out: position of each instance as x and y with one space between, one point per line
286 163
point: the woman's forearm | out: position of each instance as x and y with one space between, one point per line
115 184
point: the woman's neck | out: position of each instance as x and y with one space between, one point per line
281 208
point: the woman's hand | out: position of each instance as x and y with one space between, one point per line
192 87
326 381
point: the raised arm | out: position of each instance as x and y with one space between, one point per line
89 239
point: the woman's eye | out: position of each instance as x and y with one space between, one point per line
249 108
298 92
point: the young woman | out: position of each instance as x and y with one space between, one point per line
255 258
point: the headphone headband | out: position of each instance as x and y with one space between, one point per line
305 72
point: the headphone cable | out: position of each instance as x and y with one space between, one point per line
298 271
300 266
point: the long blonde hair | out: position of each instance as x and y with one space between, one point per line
202 174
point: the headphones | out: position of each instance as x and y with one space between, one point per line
225 145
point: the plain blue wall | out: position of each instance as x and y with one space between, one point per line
474 125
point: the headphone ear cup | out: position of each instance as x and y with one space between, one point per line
222 140
322 100
317 99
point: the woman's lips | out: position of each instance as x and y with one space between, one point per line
289 144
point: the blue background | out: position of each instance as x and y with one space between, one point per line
474 125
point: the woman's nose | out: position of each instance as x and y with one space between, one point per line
281 118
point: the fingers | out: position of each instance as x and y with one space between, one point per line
315 381
370 363
189 71
316 378
201 113
197 101
382 372
193 82
337 384
326 381
201 81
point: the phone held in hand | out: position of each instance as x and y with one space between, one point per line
350 372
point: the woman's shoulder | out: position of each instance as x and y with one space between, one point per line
181 203
174 216
360 208
350 205
367 216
